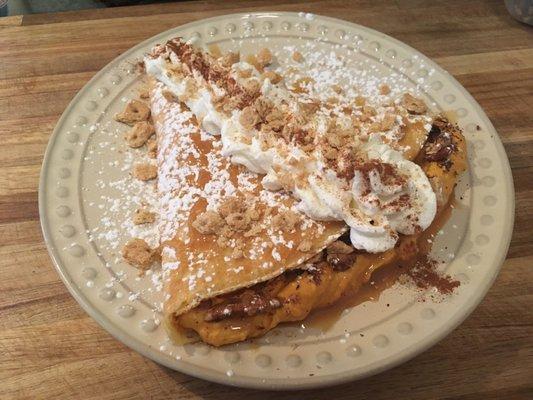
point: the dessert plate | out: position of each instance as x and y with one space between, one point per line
86 195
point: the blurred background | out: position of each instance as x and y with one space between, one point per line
21 7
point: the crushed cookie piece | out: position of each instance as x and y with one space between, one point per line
384 89
208 222
137 253
305 246
139 134
232 205
249 118
387 122
297 56
214 51
252 60
135 111
143 217
272 76
252 87
230 58
330 153
144 93
244 73
336 88
285 221
264 57
263 107
238 221
145 172
253 231
413 104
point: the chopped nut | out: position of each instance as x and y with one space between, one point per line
339 247
135 111
145 172
137 253
208 222
384 89
139 134
413 104
143 217
271 76
264 57
305 246
297 56
249 118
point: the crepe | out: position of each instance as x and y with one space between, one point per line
193 176
207 284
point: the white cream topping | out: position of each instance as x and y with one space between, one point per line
373 208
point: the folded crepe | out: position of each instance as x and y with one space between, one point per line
240 259
253 234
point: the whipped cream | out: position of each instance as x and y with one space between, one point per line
389 195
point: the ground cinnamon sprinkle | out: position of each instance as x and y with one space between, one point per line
425 275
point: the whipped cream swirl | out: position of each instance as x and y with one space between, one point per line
388 195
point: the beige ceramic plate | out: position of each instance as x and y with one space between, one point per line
86 152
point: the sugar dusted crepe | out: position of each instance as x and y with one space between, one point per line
255 182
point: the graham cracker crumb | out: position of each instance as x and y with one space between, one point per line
384 89
137 253
135 111
143 217
272 77
145 172
297 56
208 222
264 57
139 134
285 221
249 118
228 59
413 104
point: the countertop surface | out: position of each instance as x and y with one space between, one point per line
51 349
